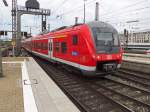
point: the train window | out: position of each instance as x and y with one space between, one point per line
41 46
57 46
75 40
36 45
63 47
103 38
45 46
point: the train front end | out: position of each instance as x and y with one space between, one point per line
108 52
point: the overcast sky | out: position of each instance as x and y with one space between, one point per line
115 12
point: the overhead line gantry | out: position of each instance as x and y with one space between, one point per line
32 7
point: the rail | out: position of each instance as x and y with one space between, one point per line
96 94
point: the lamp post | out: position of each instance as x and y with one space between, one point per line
84 11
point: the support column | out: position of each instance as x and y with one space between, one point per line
97 12
18 38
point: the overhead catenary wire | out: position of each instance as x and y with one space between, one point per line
71 11
125 8
125 18
107 17
130 19
78 8
60 5
138 9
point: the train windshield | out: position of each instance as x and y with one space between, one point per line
105 40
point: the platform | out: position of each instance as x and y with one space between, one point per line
38 93
11 94
136 62
138 58
137 55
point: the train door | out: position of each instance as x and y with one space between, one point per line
51 48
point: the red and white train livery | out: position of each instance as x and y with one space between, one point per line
93 48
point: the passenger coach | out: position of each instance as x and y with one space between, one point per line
93 48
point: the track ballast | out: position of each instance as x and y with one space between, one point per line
114 93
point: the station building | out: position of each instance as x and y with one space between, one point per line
139 37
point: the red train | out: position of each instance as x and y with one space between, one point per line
93 48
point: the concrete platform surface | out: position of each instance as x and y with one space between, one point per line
25 87
138 64
11 95
48 96
14 59
137 58
137 55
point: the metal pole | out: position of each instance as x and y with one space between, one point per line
97 12
30 30
1 71
18 38
84 12
14 23
5 3
13 51
76 20
42 23
49 27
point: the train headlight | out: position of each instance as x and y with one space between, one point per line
98 57
94 56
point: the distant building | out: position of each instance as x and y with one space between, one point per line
139 37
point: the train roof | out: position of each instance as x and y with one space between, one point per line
102 25
90 24
99 24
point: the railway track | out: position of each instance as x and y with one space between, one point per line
140 80
136 74
99 95
134 98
